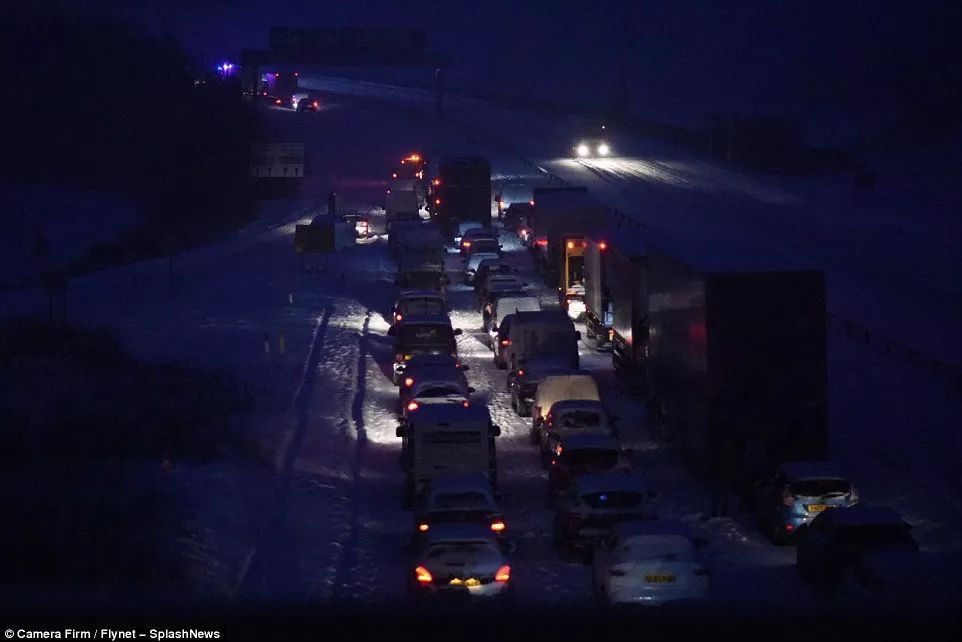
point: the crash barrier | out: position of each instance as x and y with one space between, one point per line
938 369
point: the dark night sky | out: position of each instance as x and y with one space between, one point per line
725 53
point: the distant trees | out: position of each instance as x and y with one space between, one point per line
92 102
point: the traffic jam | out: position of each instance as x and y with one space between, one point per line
728 358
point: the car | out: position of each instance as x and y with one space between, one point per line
433 381
496 293
471 267
592 147
489 266
498 281
418 302
649 563
512 215
574 417
837 540
308 104
477 245
555 388
593 504
472 233
463 561
523 383
412 405
460 499
789 501
583 454
422 333
416 273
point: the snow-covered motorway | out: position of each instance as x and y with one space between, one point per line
326 525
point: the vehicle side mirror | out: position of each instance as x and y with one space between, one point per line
577 335
392 331
458 332
471 389
399 432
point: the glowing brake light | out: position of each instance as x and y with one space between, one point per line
423 528
571 245
465 404
505 342
408 382
531 203
521 372
503 574
315 103
541 242
423 575
398 317
411 407
436 182
465 243
603 245
394 175
437 201
498 526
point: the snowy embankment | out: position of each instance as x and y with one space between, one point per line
45 227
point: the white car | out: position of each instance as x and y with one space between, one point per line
471 267
462 560
649 563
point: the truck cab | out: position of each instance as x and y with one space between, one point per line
447 439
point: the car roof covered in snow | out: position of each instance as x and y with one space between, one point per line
567 405
457 532
863 515
811 470
544 316
425 319
615 481
454 413
585 441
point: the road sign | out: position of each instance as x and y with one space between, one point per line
277 160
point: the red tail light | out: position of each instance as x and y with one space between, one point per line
423 575
521 372
789 528
506 342
465 403
465 243
541 242
423 528
411 407
315 103
503 574
393 175
436 182
498 526
602 245
398 317
408 382
437 201
531 203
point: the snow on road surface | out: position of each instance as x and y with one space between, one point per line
329 527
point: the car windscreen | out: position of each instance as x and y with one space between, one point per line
614 499
820 487
426 335
594 458
579 419
426 305
459 548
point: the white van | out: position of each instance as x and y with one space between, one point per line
559 388
447 439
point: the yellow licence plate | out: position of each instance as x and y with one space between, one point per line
816 508
471 581
659 579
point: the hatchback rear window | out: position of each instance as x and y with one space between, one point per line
820 487
422 306
614 499
579 419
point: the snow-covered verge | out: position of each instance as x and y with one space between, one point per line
45 226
